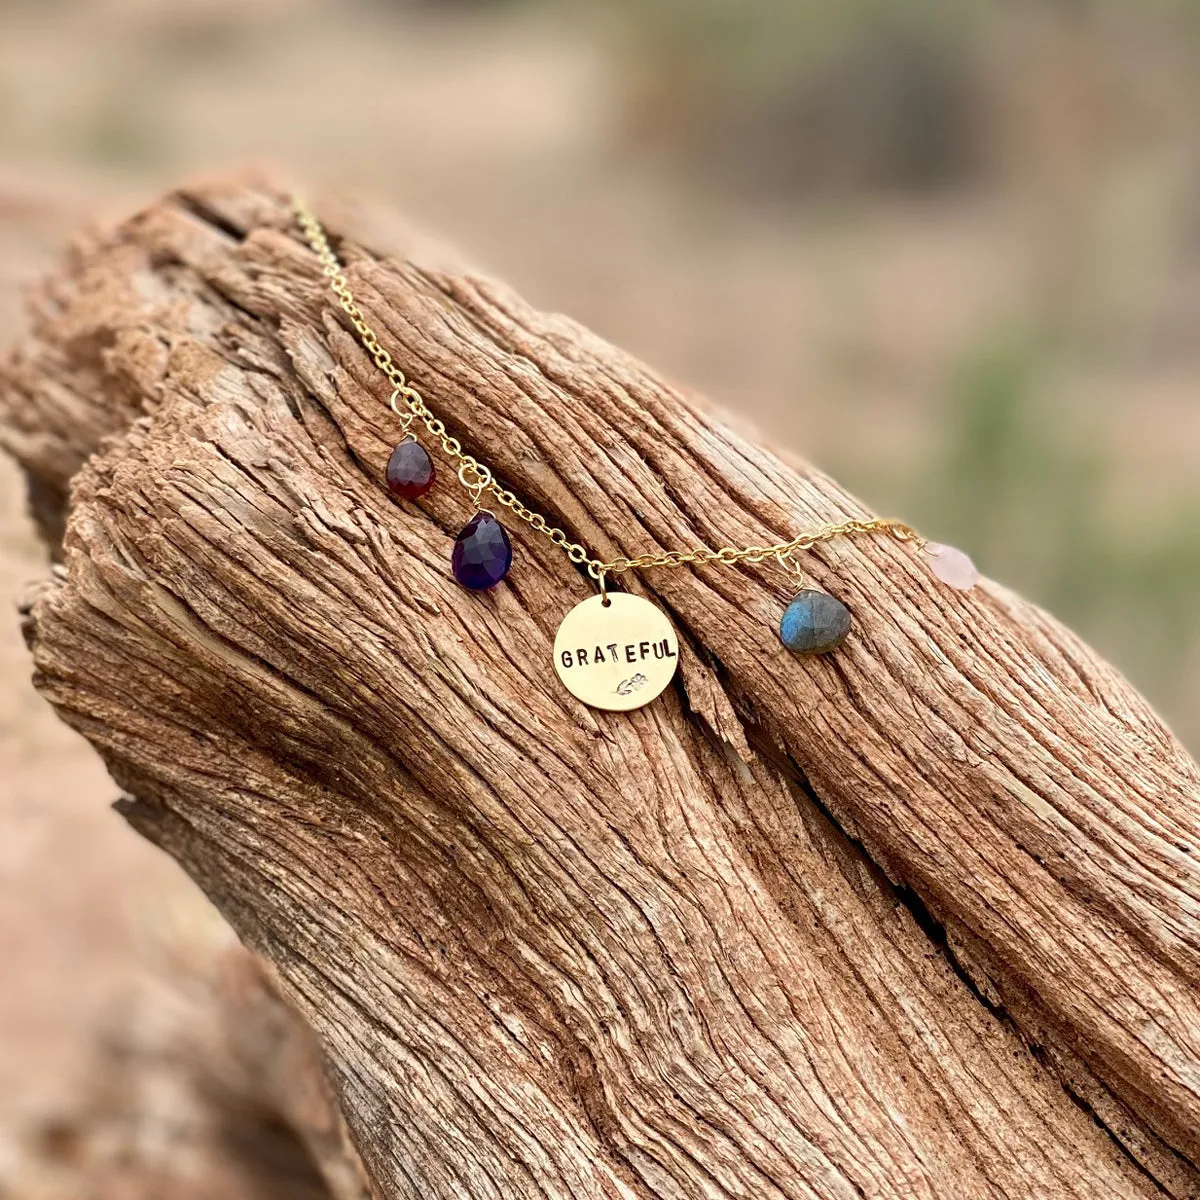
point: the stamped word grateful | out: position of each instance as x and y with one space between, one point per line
630 653
616 652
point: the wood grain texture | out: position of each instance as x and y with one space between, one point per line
553 952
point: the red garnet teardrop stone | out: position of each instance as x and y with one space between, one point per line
410 470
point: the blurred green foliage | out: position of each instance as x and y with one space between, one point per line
1027 484
874 94
810 94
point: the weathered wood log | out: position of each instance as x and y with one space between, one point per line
553 952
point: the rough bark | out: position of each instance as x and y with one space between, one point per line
552 952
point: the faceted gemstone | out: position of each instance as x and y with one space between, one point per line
952 566
410 470
814 622
482 553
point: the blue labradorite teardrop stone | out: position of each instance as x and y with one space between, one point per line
814 622
482 553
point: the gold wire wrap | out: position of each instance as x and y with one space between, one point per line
477 478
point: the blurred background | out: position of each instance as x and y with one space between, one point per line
949 250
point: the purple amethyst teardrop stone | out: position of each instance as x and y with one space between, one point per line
482 553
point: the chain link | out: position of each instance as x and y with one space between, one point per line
756 554
477 477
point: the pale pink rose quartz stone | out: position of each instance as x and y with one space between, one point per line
952 566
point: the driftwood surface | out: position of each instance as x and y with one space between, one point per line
916 919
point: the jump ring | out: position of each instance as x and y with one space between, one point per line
789 564
406 418
482 475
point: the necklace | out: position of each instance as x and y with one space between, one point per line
615 650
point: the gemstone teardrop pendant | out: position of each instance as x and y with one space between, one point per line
814 623
482 552
410 470
954 568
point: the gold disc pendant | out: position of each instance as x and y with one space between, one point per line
618 654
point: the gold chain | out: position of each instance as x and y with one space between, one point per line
477 477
